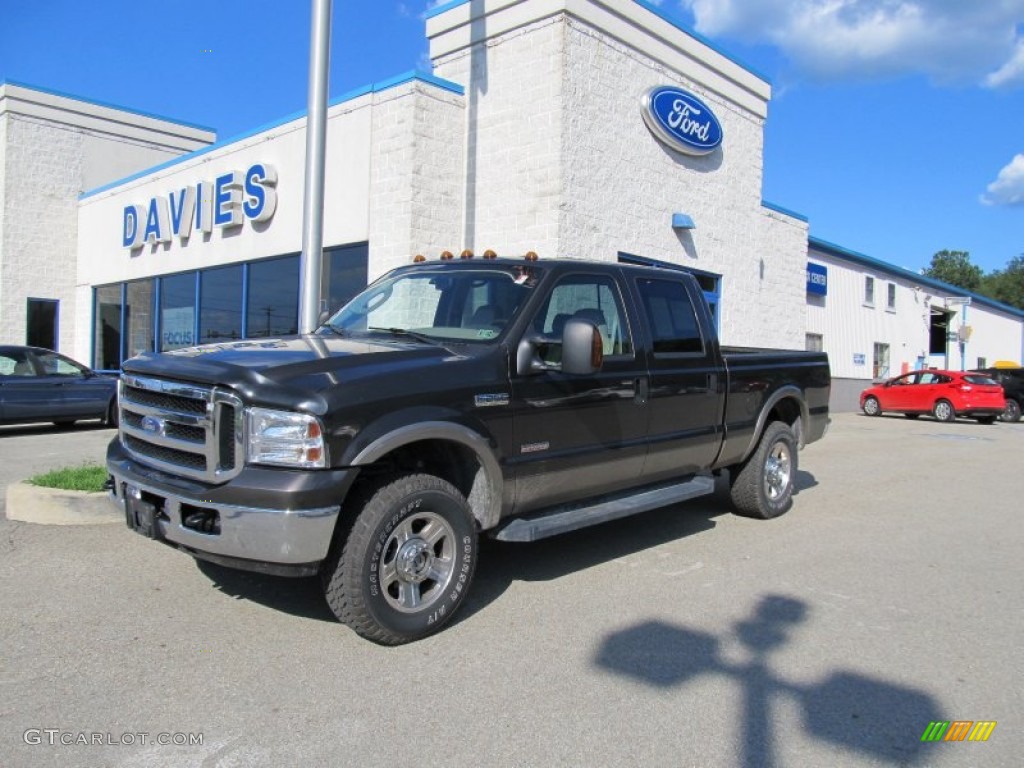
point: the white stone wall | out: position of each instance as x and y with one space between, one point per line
560 161
416 178
513 126
54 148
621 187
42 174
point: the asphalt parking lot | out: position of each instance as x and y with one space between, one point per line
889 597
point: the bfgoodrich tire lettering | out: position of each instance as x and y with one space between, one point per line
762 486
407 563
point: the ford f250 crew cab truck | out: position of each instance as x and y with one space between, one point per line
517 399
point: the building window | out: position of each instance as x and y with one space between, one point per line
273 298
880 367
138 318
41 323
106 314
177 311
814 342
982 362
220 304
890 302
345 274
869 291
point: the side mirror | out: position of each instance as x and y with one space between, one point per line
582 348
324 317
582 352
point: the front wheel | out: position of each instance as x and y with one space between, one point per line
872 407
1012 411
943 411
762 486
407 563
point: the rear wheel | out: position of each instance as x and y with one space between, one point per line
944 411
872 407
407 563
762 486
1012 411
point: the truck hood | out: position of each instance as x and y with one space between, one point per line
293 370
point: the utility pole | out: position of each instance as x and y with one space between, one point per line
316 150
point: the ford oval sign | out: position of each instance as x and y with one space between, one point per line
681 121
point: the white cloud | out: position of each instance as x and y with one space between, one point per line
1008 188
949 40
1011 73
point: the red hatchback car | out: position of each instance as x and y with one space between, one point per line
944 394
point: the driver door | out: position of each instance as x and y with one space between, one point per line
578 436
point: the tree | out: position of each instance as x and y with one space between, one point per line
1007 285
955 268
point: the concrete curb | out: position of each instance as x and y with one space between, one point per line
50 506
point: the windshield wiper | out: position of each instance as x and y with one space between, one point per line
333 329
405 332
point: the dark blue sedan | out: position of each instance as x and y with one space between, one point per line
42 385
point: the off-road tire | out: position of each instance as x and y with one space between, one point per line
762 486
407 562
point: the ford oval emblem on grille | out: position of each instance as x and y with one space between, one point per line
153 424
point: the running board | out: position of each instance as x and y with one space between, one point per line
571 517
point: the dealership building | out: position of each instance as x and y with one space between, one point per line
591 129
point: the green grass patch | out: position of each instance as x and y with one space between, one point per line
84 478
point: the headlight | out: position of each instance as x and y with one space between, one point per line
286 439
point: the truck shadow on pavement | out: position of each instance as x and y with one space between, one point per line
501 563
847 710
298 597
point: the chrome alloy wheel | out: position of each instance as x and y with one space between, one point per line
417 563
778 470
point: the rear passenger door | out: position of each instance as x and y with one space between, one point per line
686 399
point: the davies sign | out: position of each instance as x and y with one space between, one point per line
225 202
681 121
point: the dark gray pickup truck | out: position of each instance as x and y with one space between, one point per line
520 399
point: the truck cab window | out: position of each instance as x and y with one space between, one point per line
670 314
589 297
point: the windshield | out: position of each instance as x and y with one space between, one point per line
455 306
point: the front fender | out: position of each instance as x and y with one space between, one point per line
486 500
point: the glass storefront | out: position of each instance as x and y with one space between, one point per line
253 300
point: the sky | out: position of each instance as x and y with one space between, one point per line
895 126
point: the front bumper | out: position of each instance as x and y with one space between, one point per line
268 520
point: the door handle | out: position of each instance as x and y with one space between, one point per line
641 390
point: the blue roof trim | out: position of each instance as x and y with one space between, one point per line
382 85
442 8
657 11
784 211
108 105
837 251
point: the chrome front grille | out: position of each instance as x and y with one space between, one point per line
183 429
